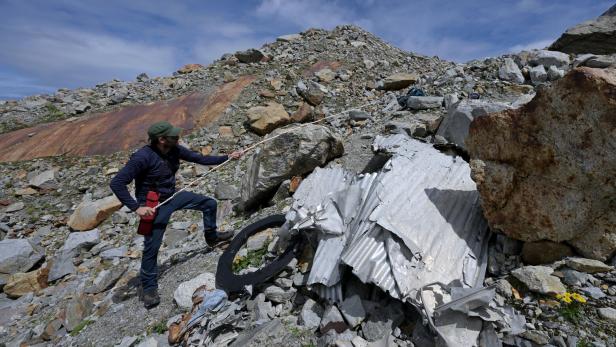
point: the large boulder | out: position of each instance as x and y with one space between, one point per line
293 153
18 255
545 171
454 126
594 36
264 119
89 214
399 80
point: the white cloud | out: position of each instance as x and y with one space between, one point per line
540 44
311 13
80 57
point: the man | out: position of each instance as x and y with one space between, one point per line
153 167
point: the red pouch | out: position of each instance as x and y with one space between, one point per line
147 222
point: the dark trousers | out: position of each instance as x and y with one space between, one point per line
151 244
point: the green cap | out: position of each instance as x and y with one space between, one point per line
163 128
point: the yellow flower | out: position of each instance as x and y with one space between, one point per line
578 297
567 299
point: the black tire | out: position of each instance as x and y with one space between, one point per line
231 282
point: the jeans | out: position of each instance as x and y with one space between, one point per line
151 244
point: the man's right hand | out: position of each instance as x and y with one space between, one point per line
144 211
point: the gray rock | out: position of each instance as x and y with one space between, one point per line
538 75
300 279
78 240
105 280
119 96
594 36
353 310
555 73
278 295
332 320
119 217
254 337
14 207
127 341
450 100
539 279
510 71
504 288
548 58
291 154
311 91
118 252
258 241
184 292
608 313
225 191
588 265
381 321
537 336
424 102
61 265
594 292
263 309
42 178
558 341
18 255
574 278
359 115
310 315
250 56
455 125
77 309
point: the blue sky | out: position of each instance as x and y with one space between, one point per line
47 44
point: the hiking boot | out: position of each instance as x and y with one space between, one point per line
150 298
214 238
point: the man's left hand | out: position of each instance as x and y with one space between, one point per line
236 154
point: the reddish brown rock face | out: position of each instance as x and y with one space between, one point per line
119 130
547 171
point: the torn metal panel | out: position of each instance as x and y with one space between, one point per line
331 294
416 221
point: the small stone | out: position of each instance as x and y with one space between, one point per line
89 214
510 71
250 56
310 315
14 207
538 337
332 319
278 295
588 265
594 292
263 309
105 280
39 180
258 241
398 81
539 279
359 115
118 252
184 292
311 91
574 278
555 73
188 68
18 255
353 310
538 75
607 313
325 75
77 309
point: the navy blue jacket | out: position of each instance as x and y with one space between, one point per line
153 170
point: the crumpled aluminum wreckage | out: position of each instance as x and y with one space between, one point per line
414 229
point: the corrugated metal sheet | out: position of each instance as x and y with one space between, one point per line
415 222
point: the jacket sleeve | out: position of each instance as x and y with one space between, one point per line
135 165
194 157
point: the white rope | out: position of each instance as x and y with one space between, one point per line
262 142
